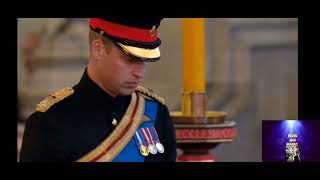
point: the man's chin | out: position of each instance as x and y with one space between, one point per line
127 91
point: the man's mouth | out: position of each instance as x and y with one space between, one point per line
131 84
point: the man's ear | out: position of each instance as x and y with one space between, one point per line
97 49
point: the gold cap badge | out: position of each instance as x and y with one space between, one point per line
152 31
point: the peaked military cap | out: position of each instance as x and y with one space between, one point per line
137 37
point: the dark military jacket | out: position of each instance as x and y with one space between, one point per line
71 128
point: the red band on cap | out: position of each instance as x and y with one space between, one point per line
122 31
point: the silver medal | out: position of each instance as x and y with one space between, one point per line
159 147
152 149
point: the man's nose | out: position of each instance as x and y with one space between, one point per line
139 69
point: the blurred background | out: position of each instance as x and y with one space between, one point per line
251 70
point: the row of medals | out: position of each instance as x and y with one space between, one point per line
151 147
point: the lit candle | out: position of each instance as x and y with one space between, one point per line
193 47
193 55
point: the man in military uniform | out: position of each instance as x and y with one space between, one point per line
106 117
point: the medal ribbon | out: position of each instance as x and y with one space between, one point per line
150 135
145 136
138 139
155 132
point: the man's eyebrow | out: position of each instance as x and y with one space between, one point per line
129 56
125 54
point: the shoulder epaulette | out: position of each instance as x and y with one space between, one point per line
54 98
150 93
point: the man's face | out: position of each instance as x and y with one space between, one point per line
120 72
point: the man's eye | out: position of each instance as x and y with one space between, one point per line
129 59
